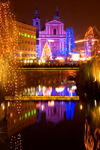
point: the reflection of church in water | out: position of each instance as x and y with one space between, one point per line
55 111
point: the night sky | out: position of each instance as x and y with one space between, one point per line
79 14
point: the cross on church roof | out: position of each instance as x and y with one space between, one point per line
57 17
36 14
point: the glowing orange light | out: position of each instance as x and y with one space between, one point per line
51 103
42 107
50 40
60 89
81 107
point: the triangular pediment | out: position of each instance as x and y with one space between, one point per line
54 22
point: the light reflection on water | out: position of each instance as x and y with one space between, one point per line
69 90
35 125
23 115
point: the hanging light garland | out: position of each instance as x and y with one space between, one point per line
10 73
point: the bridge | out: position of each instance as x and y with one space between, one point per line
42 98
51 68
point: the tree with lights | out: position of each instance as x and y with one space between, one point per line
46 53
67 42
72 39
10 73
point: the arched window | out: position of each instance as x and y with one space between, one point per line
36 23
54 31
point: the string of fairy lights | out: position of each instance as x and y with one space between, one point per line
10 73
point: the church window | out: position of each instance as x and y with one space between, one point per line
36 23
54 31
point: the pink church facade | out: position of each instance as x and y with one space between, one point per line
54 34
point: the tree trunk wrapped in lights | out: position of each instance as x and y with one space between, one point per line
9 69
46 53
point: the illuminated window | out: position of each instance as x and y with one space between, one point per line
19 117
11 114
28 114
25 115
54 31
34 111
14 120
22 34
25 34
34 36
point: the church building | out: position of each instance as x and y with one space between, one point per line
53 33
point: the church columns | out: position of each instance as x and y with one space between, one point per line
60 29
49 29
40 47
46 29
63 45
60 45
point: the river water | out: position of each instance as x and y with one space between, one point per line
28 125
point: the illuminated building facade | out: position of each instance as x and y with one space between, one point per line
54 34
27 41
